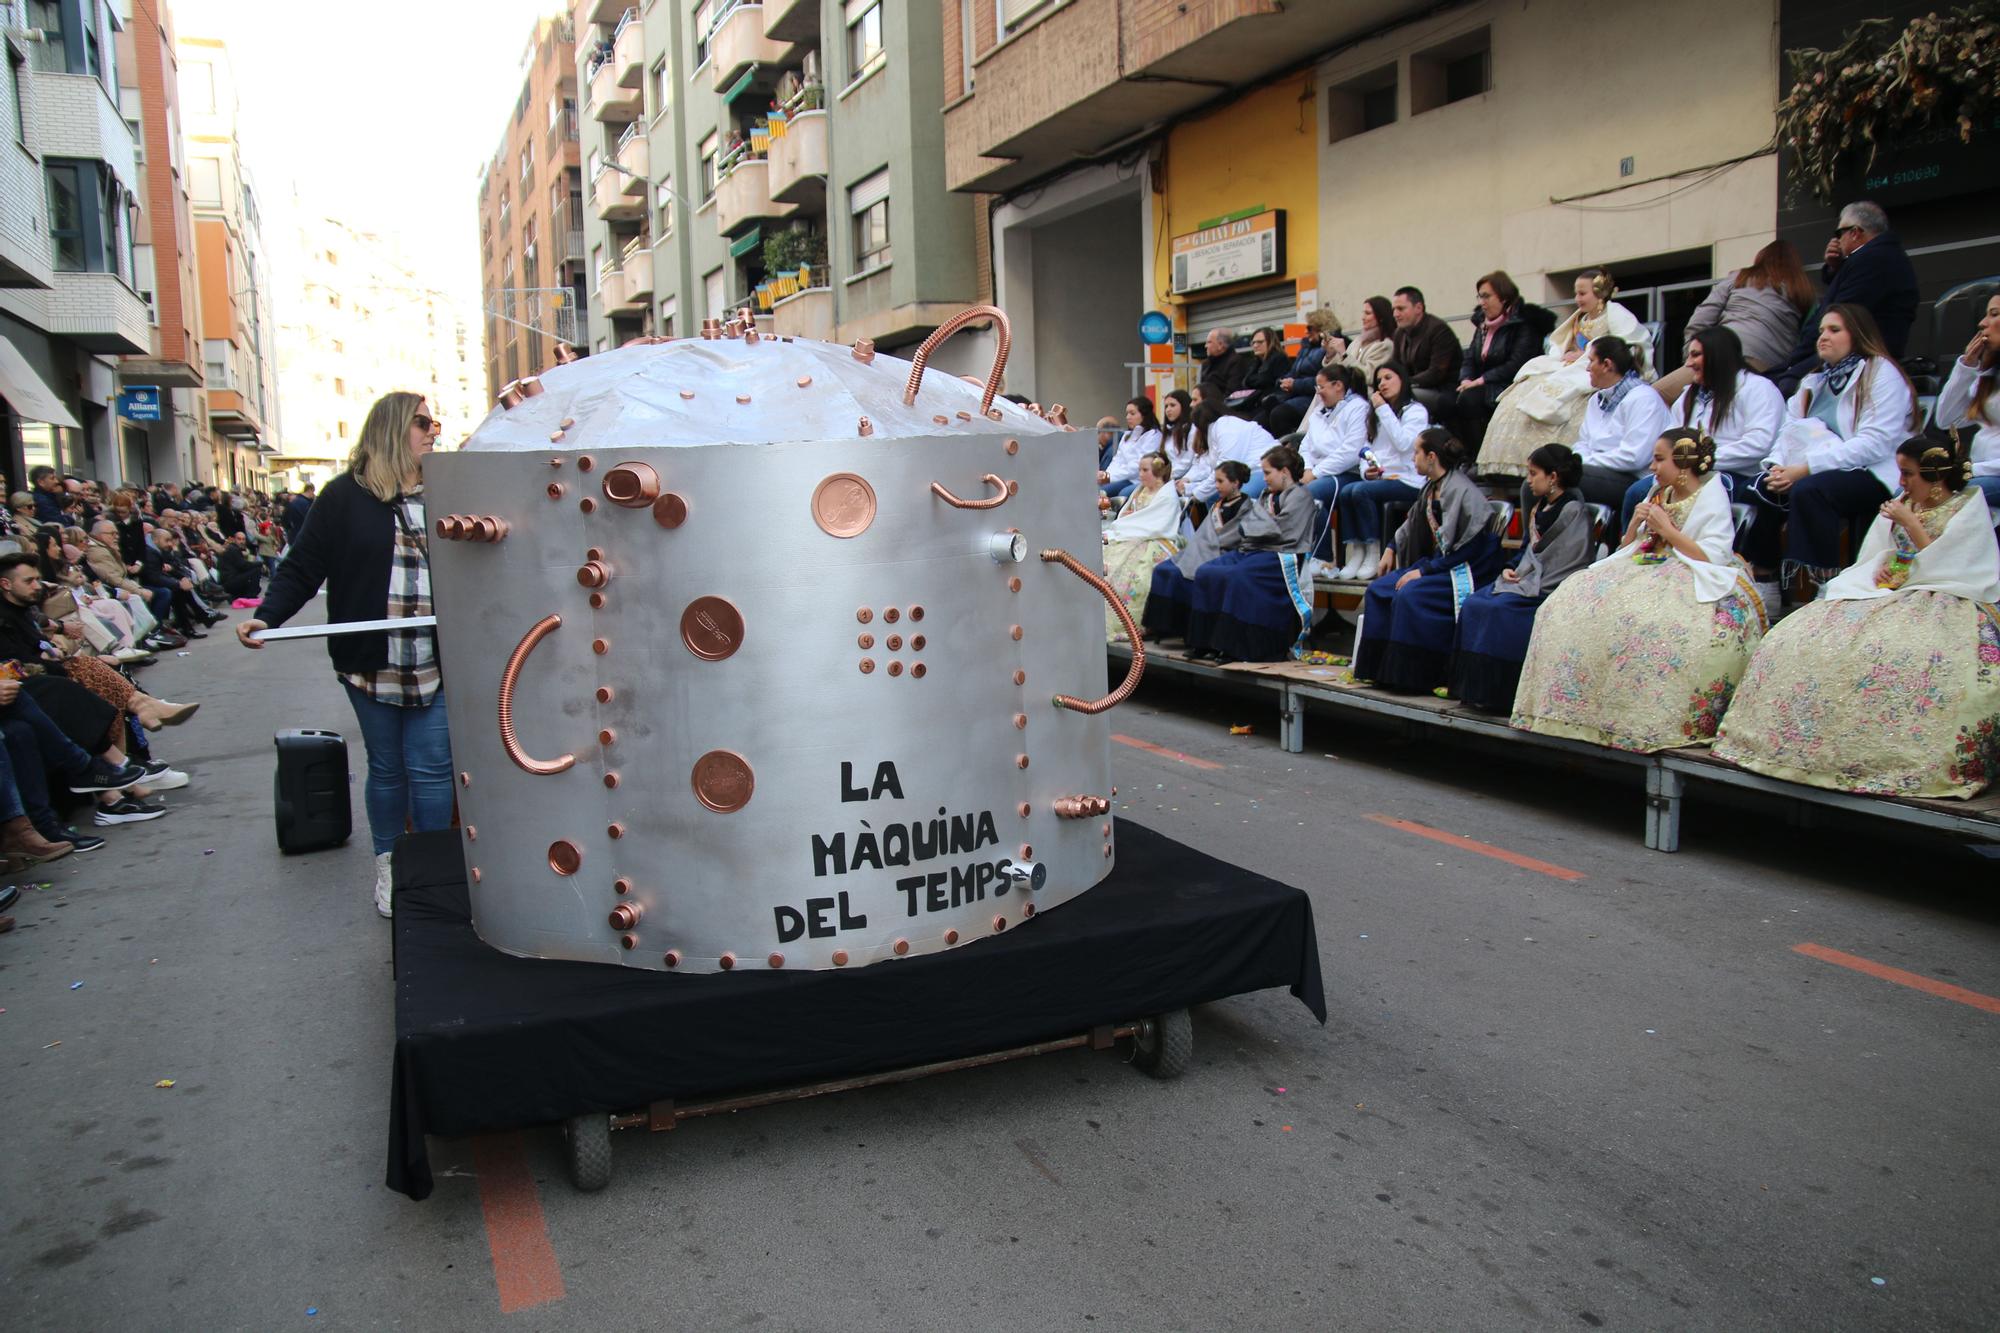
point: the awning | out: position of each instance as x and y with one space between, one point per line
735 90
26 393
750 241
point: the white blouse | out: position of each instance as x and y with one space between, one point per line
1749 434
1954 412
1395 443
1622 440
1135 446
1335 436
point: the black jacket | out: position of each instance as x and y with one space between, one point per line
1517 340
20 636
348 543
234 566
131 537
1229 370
1878 276
1430 352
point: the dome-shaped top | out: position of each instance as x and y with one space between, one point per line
699 391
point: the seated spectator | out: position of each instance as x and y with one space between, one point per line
1224 365
1641 651
1445 549
1495 622
1917 605
1253 604
1375 346
1620 422
1268 365
1336 435
21 513
1835 457
1171 594
49 494
236 570
1740 411
35 749
1968 402
301 504
1763 305
168 567
1283 414
1177 438
1430 349
131 525
1866 267
1107 442
1223 436
1388 469
1141 438
1546 401
1506 332
1140 537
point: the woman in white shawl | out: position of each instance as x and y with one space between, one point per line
1642 650
1545 403
1140 537
1889 684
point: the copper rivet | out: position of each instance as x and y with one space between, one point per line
687 393
1114 791
629 941
711 628
555 490
1020 678
593 553
894 643
917 643
916 613
776 960
567 422
1107 851
555 437
593 573
1105 830
951 937
475 874
555 462
1020 761
999 924
965 416
942 420
917 670
600 646
723 781
895 668
605 694
672 958
805 381
607 737
742 397
1014 633
867 665
840 958
1013 446
597 601
471 833
843 505
587 505
565 856
611 781
891 615
865 641
1028 910
614 831
1024 808
621 885
902 947
1027 852
1013 585
1013 488
670 510
864 615
465 779
728 961
864 427
585 463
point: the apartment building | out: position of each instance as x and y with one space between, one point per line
239 356
785 156
69 306
531 217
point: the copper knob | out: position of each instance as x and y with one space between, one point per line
625 916
593 574
632 485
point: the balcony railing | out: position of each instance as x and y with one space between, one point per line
798 156
628 50
634 156
610 101
611 200
736 40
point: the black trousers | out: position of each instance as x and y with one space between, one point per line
1811 520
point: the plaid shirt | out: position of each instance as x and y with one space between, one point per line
411 679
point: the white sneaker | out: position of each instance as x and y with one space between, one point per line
1325 569
130 655
382 883
1371 561
167 779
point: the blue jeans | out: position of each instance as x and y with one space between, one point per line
1326 491
409 767
1118 490
1255 486
1361 504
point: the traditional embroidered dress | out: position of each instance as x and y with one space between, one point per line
1889 685
1495 623
1545 403
1172 590
1255 604
1406 633
1139 538
1642 650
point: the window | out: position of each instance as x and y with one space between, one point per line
713 293
700 25
1451 71
88 229
868 202
1009 14
596 264
967 48
555 109
205 181
197 85
17 68
864 36
665 226
527 161
663 88
707 154
66 231
1367 102
670 309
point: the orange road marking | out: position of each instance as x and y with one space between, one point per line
1163 751
1944 990
524 1262
1483 849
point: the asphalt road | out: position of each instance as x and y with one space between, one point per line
1622 1099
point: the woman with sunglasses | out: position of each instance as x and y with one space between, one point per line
365 539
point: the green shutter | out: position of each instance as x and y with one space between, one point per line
751 240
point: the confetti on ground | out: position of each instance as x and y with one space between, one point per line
1286 1128
1879 1281
1280 1089
51 1046
311 1310
164 1083
210 851
1240 731
76 985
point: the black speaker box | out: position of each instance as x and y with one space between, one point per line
310 791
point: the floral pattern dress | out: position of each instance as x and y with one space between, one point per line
1626 654
1128 565
1888 696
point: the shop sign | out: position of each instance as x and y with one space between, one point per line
1241 249
140 402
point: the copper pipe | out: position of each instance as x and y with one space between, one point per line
945 330
992 502
1080 807
510 673
1132 672
632 485
625 916
593 574
530 386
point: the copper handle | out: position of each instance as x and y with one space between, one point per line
1133 672
510 673
945 330
991 502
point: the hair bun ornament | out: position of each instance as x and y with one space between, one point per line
1603 285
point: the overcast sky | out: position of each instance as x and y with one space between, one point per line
379 111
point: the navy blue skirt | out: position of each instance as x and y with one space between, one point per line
1211 585
1493 632
1167 602
1244 610
1407 635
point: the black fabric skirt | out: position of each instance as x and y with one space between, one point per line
1168 602
83 717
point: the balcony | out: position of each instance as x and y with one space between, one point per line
798 160
744 195
628 51
604 11
633 155
99 313
806 314
608 198
638 270
231 415
615 294
739 41
611 101
791 20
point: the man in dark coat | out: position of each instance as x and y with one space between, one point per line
1429 350
295 513
239 573
1865 266
1224 365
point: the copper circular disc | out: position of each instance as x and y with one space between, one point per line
565 857
843 505
670 510
712 628
723 781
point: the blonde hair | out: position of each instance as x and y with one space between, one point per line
382 459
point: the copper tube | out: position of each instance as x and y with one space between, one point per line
941 419
1020 721
531 386
1079 807
510 395
1014 585
1014 632
632 485
611 782
890 615
864 615
840 958
917 670
471 833
991 502
916 613
624 916
585 463
670 510
475 874
1013 447
555 462
867 665
565 857
1028 910
776 960
492 529
1107 851
1138 664
999 924
1020 678
1024 808
805 381
965 416
629 941
445 528
902 947
621 885
917 642
1104 830
864 350
555 437
866 427
614 831
600 646
567 422
593 574
605 694
597 601
465 779
587 505
672 958
686 394
509 674
1020 761
895 668
555 490
727 961
894 643
951 937
951 326
607 737
1027 852
864 641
